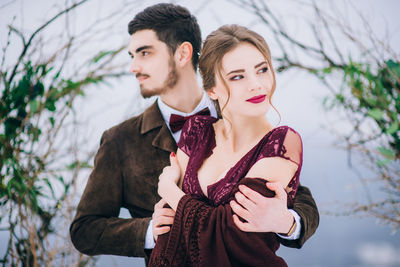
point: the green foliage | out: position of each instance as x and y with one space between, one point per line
33 102
22 102
374 93
37 171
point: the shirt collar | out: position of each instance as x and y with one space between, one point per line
166 110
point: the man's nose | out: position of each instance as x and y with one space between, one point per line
134 67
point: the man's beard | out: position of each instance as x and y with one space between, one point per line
169 83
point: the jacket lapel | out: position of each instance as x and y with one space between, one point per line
153 120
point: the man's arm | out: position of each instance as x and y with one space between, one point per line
306 208
96 228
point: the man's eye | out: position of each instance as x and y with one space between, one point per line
145 53
236 77
263 70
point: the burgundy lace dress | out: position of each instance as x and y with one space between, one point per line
203 233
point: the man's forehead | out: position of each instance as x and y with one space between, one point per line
143 38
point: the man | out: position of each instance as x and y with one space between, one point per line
164 46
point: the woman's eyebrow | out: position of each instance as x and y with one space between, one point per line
260 64
235 71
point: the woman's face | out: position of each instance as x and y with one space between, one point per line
249 80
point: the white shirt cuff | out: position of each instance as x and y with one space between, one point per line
149 240
296 234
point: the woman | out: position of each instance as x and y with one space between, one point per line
216 156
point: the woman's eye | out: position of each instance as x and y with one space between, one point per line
236 77
263 70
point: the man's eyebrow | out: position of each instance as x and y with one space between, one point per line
143 48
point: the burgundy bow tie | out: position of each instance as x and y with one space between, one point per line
176 122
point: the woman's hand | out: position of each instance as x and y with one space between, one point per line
168 180
172 172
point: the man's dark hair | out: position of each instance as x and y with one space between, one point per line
172 24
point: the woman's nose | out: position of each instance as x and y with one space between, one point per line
255 83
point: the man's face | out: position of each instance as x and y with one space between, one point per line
152 63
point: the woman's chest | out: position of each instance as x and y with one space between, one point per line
215 168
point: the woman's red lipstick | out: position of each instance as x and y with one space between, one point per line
256 99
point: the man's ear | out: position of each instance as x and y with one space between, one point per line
183 54
211 93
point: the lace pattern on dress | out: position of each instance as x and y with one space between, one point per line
198 141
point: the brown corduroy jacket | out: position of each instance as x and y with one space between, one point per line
125 174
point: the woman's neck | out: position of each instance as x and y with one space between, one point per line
241 132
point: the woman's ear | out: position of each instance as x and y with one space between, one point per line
211 93
183 54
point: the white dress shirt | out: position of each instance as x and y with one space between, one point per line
166 112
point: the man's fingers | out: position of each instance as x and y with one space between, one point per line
163 220
164 212
160 204
239 210
241 225
161 230
250 194
278 189
244 201
163 215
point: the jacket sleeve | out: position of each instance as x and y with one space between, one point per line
305 206
205 235
96 228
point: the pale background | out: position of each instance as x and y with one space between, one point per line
339 241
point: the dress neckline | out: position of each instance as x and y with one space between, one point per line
212 144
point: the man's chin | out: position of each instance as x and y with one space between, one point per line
147 93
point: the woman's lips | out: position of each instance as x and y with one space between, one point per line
257 99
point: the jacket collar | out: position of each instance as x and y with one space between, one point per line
153 119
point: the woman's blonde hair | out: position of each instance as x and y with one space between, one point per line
220 42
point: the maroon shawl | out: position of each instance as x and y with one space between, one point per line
204 235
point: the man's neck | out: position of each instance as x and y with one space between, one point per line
185 95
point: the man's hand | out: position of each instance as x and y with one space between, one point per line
162 219
262 214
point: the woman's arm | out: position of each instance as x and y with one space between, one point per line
171 176
275 169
